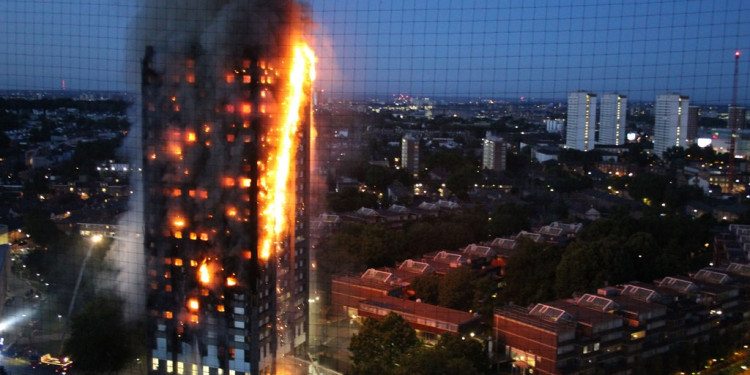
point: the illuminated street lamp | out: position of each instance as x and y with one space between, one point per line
95 239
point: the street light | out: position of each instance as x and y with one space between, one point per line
95 239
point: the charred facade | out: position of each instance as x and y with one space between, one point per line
216 303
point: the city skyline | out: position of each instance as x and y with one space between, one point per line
437 49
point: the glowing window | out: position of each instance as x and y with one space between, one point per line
204 236
170 366
178 234
168 315
193 304
154 364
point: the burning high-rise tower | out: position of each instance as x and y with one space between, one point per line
226 135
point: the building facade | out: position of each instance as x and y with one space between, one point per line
226 165
580 129
736 118
612 119
692 124
494 150
410 154
670 122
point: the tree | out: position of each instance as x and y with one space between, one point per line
379 345
455 290
451 355
100 339
530 273
580 269
427 288
508 218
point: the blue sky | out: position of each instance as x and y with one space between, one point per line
435 48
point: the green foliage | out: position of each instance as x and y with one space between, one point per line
100 340
351 200
377 177
530 273
450 160
427 288
390 346
656 190
356 246
455 289
463 173
625 249
451 355
579 270
508 219
379 345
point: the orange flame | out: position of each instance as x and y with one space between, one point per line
193 304
277 199
203 274
231 281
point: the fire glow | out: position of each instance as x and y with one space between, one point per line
203 275
277 200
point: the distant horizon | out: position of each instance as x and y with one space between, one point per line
455 100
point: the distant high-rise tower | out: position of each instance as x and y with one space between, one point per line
736 117
410 154
612 119
494 153
692 124
670 122
581 125
226 136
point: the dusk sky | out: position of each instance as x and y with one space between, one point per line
435 48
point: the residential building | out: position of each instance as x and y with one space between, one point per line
226 256
692 124
736 118
494 150
612 121
580 129
670 122
410 154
